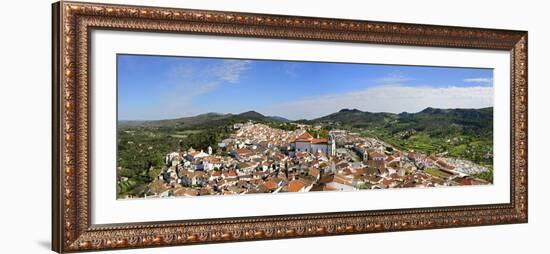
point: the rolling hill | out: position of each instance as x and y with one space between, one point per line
434 121
461 133
205 120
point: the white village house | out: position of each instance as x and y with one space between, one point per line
306 143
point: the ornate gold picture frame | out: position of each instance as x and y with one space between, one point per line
72 228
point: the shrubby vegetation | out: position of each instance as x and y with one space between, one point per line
142 150
487 176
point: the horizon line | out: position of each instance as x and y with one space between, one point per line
265 115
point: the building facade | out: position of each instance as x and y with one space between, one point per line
307 143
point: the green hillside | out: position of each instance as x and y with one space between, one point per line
463 133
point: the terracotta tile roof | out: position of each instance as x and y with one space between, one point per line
467 181
270 184
342 179
314 172
191 192
244 165
343 165
323 187
371 171
372 178
212 159
319 141
244 152
394 164
375 155
180 191
199 173
387 181
305 137
295 185
375 164
444 164
301 154
346 171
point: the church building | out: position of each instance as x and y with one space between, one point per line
307 143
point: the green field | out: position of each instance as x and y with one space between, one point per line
464 147
437 173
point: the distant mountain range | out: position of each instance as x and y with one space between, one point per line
206 119
434 121
431 120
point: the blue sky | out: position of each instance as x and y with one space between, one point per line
161 87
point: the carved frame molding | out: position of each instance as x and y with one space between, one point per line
71 226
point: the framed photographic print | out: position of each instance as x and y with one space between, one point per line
179 126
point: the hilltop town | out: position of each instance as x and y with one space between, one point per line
257 158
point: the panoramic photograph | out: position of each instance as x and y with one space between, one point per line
196 126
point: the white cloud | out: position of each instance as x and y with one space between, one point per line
291 69
189 81
394 78
193 81
394 99
230 70
478 80
227 70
